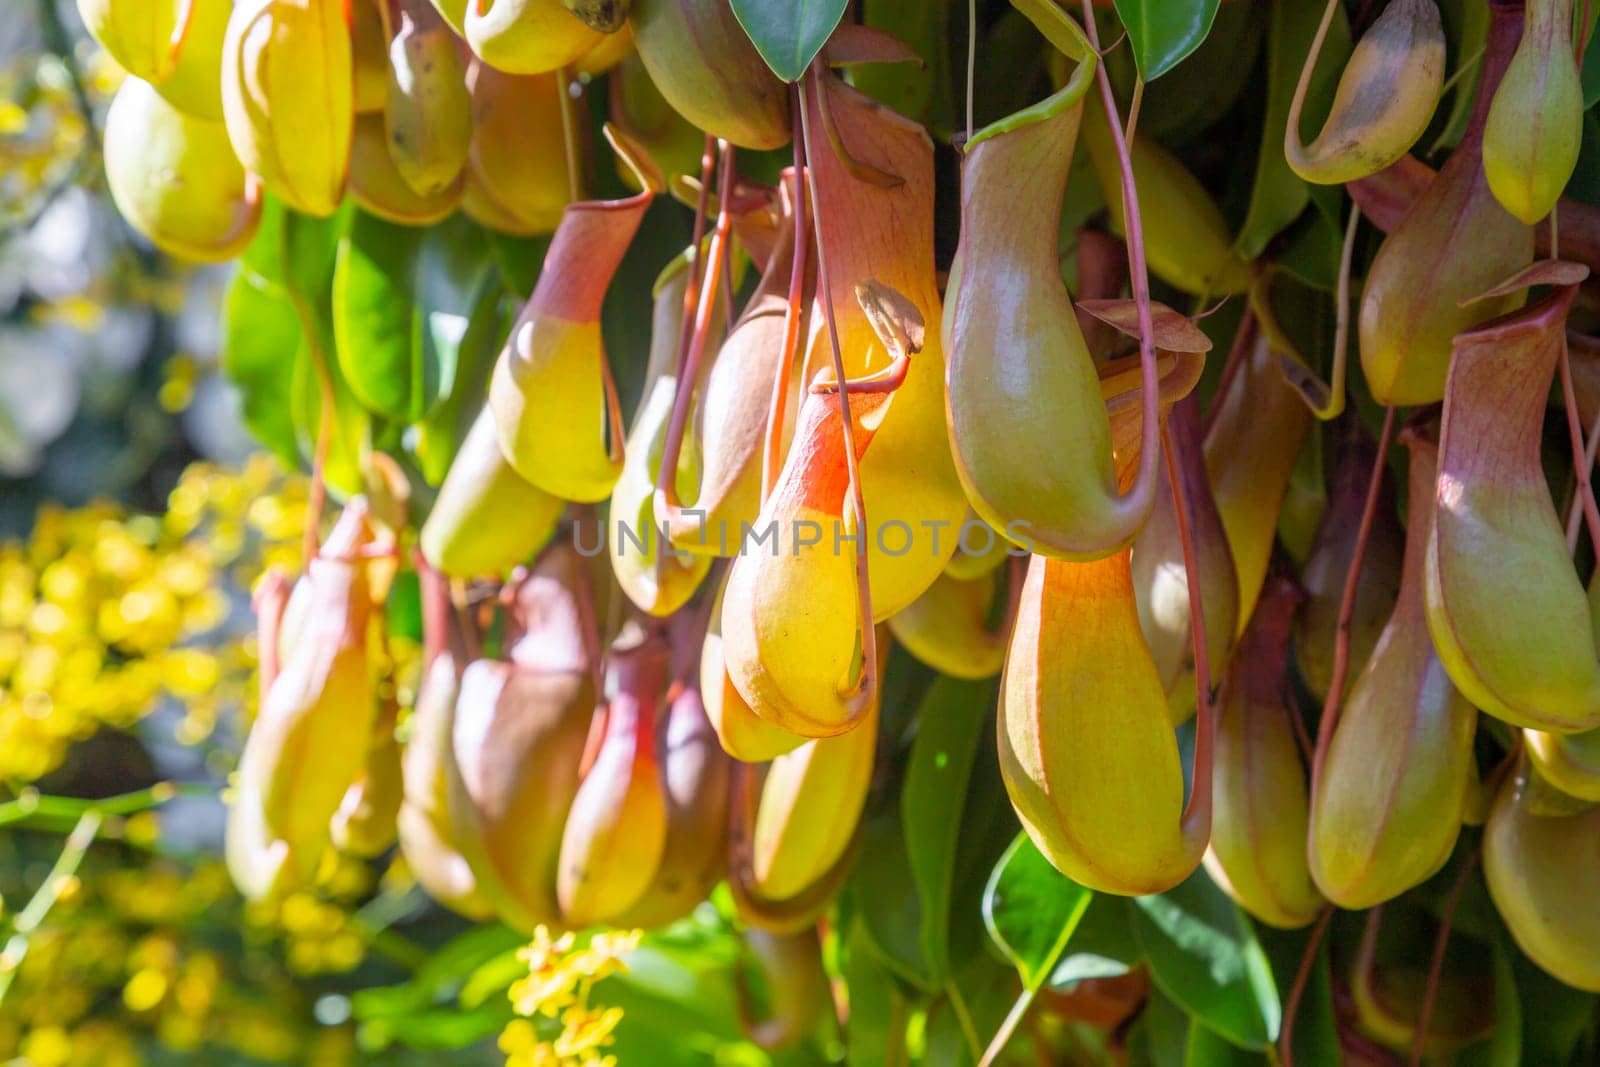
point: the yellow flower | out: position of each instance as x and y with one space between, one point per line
585 1031
523 1047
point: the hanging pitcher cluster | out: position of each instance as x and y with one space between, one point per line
657 643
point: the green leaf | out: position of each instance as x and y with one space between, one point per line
1316 1031
1103 945
1182 106
1278 195
441 976
402 298
1589 76
443 429
919 91
376 326
1031 910
789 33
1162 33
889 912
987 988
877 1008
1204 954
951 721
1161 1036
289 266
1466 27
260 347
1206 1048
436 1030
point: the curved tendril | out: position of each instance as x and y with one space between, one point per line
1293 146
1297 991
1347 604
1430 993
860 171
667 504
1325 398
1341 320
1141 495
972 60
1196 819
772 451
1581 461
859 695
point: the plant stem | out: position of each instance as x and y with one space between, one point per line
688 371
1347 603
1030 989
777 411
1197 813
45 897
866 685
1430 993
1297 991
958 1004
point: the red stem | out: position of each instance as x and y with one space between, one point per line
1436 966
1297 992
866 686
666 495
691 292
1149 458
772 456
1242 339
435 609
1347 603
1197 813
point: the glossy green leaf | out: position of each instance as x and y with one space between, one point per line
1181 107
1204 954
951 721
443 429
259 350
1031 910
289 270
376 324
789 33
1278 195
402 298
1103 945
1162 33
